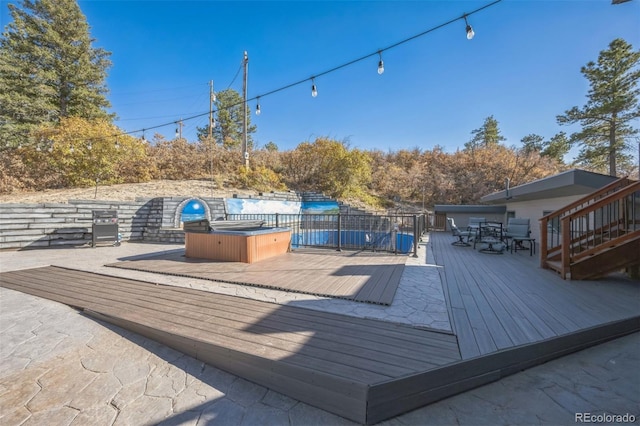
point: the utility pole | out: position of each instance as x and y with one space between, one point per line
212 99
245 148
179 123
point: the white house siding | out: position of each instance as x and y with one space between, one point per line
534 210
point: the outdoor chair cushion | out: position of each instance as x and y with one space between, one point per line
515 231
517 227
460 234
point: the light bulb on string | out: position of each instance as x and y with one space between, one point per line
258 106
144 140
89 146
380 64
71 149
470 32
314 89
117 145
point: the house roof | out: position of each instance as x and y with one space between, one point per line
457 208
571 182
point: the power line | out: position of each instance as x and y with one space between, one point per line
235 76
323 73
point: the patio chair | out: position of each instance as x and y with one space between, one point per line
474 228
519 230
460 234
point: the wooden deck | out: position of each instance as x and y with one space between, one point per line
507 314
327 360
506 300
362 276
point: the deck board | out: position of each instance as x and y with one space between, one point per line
507 315
339 357
361 276
514 300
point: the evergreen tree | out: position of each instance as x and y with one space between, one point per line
228 131
487 135
556 147
532 143
48 69
611 108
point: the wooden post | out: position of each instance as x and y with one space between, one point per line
544 230
566 245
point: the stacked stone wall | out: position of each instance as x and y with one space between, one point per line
151 219
51 224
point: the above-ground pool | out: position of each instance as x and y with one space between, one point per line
402 243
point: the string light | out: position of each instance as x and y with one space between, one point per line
117 145
89 146
470 32
314 91
258 105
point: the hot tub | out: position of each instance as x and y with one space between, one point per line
239 245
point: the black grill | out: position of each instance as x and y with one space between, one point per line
105 227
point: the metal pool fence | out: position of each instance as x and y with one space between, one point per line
391 233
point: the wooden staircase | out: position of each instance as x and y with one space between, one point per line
596 235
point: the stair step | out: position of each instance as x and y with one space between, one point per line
555 265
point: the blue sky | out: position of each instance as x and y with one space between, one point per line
522 67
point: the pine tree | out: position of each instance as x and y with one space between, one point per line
611 108
48 69
487 135
556 147
532 143
228 131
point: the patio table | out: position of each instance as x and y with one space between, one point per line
491 234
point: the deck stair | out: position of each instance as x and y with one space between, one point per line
595 235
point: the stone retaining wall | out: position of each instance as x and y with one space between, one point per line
49 224
152 219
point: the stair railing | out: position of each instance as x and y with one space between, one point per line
550 225
609 221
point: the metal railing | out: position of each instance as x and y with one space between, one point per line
390 233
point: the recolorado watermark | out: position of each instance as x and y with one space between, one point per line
604 418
